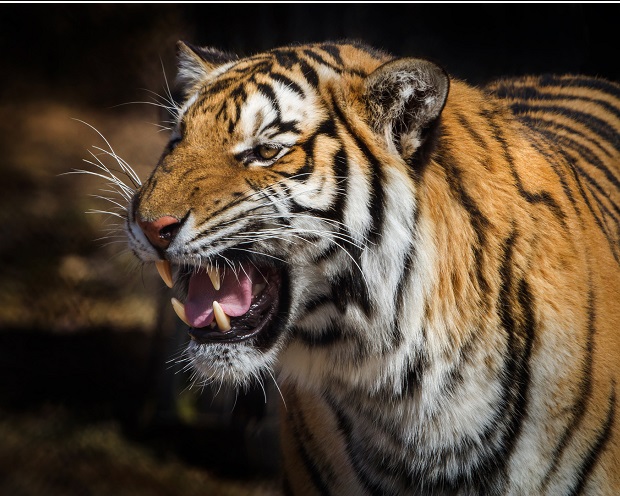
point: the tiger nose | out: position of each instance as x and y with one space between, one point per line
160 232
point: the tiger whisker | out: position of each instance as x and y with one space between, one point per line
122 207
126 168
113 181
93 211
269 371
258 253
155 104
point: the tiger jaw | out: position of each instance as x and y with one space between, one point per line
249 302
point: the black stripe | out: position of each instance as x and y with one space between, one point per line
340 166
313 304
403 281
478 139
579 174
516 313
381 468
348 289
345 426
535 122
317 58
589 156
219 85
603 227
533 94
598 126
303 174
267 90
583 394
578 171
221 114
283 127
558 169
286 58
253 65
327 337
326 128
239 96
303 437
288 83
237 198
377 196
478 221
540 197
593 182
414 374
581 82
598 447
309 74
334 51
527 334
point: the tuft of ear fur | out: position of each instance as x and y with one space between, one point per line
404 98
197 63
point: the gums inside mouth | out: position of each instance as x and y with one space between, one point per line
230 306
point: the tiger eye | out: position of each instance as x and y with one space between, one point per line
266 152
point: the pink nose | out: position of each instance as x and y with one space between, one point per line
160 232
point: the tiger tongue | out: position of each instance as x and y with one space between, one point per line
234 295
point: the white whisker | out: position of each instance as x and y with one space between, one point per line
268 369
93 211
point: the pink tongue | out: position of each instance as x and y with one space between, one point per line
234 295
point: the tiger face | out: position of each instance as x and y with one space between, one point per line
251 203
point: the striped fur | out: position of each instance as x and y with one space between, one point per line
450 307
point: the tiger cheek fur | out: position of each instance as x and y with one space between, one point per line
432 268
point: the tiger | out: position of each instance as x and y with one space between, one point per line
429 269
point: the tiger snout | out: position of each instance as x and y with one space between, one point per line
160 232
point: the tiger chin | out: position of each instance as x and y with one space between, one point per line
431 269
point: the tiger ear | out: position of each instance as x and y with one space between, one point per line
404 98
196 63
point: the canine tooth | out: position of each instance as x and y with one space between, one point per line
165 271
257 288
214 275
179 309
223 320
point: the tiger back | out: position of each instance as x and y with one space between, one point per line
432 269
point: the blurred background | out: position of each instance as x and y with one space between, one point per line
91 399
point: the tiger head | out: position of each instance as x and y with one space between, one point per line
284 175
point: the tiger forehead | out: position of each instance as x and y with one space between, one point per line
256 106
232 87
297 69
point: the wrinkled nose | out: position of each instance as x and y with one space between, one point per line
160 232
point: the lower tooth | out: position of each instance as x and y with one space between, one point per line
223 320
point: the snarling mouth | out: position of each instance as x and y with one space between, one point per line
227 306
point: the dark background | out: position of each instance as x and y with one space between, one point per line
100 53
88 402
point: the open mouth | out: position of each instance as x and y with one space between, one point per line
227 306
